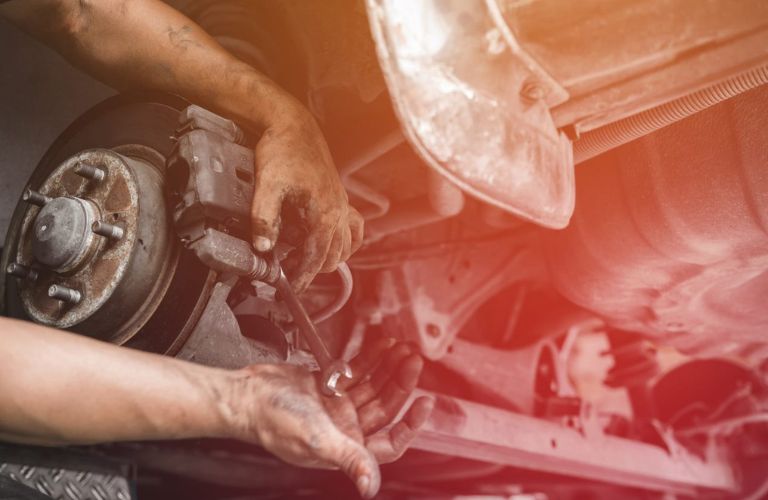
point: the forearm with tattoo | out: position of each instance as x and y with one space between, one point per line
147 44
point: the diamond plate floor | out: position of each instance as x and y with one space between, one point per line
64 474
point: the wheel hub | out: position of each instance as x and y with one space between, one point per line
62 236
94 244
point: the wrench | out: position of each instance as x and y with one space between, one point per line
331 370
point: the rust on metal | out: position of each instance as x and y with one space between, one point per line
475 431
106 262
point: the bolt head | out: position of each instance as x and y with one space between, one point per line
35 198
21 271
533 91
107 230
64 294
95 174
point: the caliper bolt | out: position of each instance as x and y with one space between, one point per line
90 172
108 230
35 198
533 91
65 294
21 271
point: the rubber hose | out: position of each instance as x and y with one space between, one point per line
341 299
602 139
345 275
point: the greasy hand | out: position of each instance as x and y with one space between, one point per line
286 413
294 166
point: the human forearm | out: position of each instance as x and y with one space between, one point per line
60 388
147 44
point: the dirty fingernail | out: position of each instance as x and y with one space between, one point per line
262 244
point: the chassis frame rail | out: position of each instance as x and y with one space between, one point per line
470 430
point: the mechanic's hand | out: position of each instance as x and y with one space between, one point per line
286 413
383 379
294 166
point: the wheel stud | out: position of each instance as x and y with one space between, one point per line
21 271
89 172
108 230
35 198
65 294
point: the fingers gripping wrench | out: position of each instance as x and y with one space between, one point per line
331 369
204 141
228 254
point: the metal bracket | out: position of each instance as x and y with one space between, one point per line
217 339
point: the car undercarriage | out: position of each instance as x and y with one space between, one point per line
566 210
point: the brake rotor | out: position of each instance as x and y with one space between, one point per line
90 247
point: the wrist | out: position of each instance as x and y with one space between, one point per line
241 393
260 103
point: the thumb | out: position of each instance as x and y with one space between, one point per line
356 462
265 217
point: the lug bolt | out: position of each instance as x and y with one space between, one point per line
89 172
35 198
108 230
21 271
64 294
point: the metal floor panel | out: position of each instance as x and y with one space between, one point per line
66 473
69 484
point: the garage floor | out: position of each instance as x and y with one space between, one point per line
40 94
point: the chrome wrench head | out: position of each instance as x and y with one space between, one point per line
331 376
